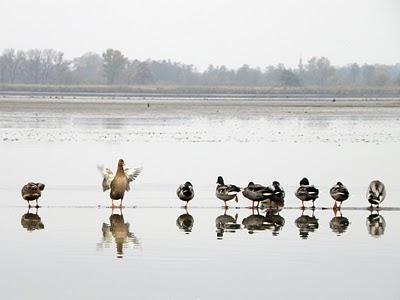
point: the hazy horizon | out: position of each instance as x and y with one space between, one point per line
257 33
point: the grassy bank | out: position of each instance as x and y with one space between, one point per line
256 91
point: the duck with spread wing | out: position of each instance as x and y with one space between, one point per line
118 183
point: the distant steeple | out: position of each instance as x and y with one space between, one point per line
301 66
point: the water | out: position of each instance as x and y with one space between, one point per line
73 252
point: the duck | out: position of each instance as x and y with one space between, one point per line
31 221
185 222
256 193
32 191
339 193
277 198
306 192
185 192
278 194
226 192
118 183
376 192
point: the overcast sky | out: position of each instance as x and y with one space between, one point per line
201 32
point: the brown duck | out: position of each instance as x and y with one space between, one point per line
119 183
32 191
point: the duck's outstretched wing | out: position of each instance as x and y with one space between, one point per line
108 176
132 174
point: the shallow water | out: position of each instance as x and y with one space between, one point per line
155 259
86 250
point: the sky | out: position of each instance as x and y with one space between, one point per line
203 32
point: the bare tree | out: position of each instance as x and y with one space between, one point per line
87 69
114 63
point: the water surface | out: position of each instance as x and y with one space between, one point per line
153 249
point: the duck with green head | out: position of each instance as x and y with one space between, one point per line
226 192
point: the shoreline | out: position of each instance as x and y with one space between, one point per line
201 91
185 107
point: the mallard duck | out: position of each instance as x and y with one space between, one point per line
306 224
185 222
31 221
278 194
120 182
376 192
185 192
339 224
376 225
277 197
226 192
256 193
32 191
339 193
306 192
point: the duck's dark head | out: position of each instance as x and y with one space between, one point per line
40 186
339 183
121 163
276 184
220 180
304 181
187 189
250 183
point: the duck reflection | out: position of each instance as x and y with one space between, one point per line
274 221
339 224
118 231
376 225
255 222
306 224
31 221
185 222
226 223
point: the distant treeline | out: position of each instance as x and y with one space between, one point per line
48 67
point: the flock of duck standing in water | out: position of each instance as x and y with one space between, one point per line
270 197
